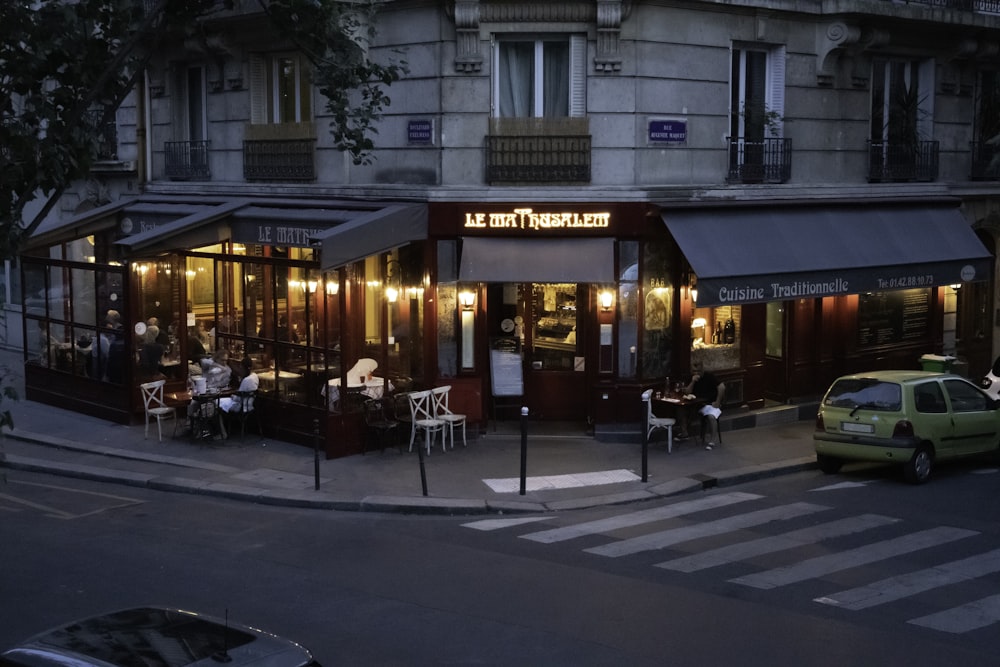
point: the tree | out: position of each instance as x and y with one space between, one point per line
61 59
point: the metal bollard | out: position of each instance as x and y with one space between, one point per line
524 449
316 452
423 473
645 443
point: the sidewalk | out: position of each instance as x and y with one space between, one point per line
562 471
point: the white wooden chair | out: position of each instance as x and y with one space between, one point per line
442 411
654 423
423 419
152 401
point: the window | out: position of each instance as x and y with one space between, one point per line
757 92
196 118
539 77
902 101
281 90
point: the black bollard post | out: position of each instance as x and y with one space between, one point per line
524 449
316 452
423 473
645 443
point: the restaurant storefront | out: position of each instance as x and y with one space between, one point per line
569 309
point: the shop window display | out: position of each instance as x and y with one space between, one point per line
715 337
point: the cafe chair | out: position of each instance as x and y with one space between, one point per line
243 410
654 423
401 413
379 427
152 401
441 411
423 419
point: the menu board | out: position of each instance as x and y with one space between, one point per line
506 370
885 318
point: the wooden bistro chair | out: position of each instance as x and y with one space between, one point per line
155 407
380 428
243 410
423 419
442 411
654 423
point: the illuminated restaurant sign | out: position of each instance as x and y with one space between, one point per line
528 219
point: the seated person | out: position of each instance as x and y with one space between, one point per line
151 353
196 347
250 382
706 387
216 371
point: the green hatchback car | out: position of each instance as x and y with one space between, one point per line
912 418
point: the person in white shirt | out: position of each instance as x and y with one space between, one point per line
250 382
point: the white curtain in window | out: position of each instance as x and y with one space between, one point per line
555 84
516 78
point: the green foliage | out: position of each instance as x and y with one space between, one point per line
335 36
69 58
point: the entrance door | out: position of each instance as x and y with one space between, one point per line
775 351
548 318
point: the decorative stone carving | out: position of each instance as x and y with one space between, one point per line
609 24
468 59
830 44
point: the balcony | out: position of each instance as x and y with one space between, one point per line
760 161
985 161
902 162
279 152
990 6
538 150
186 160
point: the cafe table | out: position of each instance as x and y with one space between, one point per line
204 416
267 378
681 407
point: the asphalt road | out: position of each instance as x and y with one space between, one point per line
850 569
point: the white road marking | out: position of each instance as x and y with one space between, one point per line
497 524
767 545
638 518
912 583
843 485
667 538
843 560
957 620
570 481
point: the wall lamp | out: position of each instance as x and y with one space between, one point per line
393 280
467 299
606 299
694 291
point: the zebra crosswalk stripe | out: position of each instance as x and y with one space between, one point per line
666 538
912 583
843 560
970 616
640 517
767 545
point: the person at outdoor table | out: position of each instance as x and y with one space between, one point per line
706 387
151 353
250 382
216 371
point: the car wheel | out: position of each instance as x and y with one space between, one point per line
918 469
828 464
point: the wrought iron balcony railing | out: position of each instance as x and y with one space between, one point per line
917 161
279 152
186 160
762 161
992 6
985 161
538 150
538 159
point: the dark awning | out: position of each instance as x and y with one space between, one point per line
54 230
540 260
746 255
370 232
193 229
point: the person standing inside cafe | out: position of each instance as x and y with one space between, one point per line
706 387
